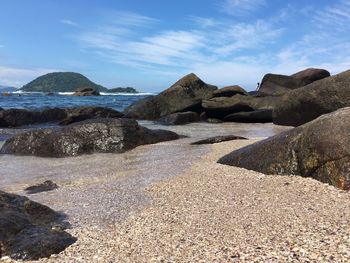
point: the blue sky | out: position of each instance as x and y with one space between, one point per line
150 44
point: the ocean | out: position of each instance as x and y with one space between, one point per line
38 101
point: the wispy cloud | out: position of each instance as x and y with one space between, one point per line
204 21
68 22
337 16
131 19
241 7
17 77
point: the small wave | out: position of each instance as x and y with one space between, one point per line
65 93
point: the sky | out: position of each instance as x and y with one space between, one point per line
151 44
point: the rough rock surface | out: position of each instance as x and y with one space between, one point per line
218 139
90 136
77 114
220 107
29 230
277 85
319 149
21 117
185 95
180 118
310 75
230 91
307 103
257 116
42 187
86 92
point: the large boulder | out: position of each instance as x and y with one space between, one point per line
230 91
220 107
307 103
77 114
319 149
277 85
310 75
185 95
86 91
256 116
90 136
20 117
29 230
180 118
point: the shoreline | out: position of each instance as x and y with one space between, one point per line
212 212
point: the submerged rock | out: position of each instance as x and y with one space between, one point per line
307 103
86 92
86 137
319 149
185 95
218 139
42 187
180 118
29 230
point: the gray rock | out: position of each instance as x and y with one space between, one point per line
218 139
307 103
185 95
319 149
86 92
86 137
310 75
27 229
42 187
230 91
180 118
257 116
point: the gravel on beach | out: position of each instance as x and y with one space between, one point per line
218 213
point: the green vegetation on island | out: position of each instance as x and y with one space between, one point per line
61 82
122 90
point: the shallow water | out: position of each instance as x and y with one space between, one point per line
106 188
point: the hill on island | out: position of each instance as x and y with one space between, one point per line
61 82
123 90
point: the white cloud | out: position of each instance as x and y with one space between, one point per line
17 77
336 16
241 7
204 21
68 22
131 19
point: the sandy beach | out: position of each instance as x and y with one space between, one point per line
186 207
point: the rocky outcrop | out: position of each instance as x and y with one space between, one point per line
86 92
319 149
220 107
86 137
310 75
21 117
230 91
277 85
42 187
218 139
185 95
307 103
180 118
29 230
84 113
256 116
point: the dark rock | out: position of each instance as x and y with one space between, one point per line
20 117
307 103
230 91
213 120
86 137
85 112
29 230
86 92
277 85
43 187
319 149
180 118
50 94
218 139
220 107
257 116
185 95
310 75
